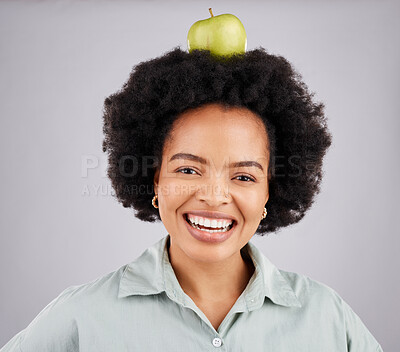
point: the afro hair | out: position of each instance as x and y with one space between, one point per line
138 118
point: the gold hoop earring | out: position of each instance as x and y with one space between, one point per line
264 214
154 201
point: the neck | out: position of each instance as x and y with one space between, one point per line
211 282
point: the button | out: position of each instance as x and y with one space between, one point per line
217 342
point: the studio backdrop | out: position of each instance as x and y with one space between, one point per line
60 224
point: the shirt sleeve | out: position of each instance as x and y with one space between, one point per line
54 329
359 338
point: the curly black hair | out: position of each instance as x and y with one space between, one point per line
138 118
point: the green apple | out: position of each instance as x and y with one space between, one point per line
221 35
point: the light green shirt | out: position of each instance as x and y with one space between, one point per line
141 307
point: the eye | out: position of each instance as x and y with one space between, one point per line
185 169
247 177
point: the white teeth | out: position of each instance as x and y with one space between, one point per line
217 224
211 231
220 226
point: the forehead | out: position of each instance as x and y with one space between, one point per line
212 128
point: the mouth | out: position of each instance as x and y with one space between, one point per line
208 227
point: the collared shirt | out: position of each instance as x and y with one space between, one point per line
142 307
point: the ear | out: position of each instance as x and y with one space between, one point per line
155 180
267 196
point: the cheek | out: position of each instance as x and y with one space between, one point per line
250 204
173 193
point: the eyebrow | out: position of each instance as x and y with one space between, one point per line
188 156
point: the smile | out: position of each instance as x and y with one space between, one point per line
217 231
209 225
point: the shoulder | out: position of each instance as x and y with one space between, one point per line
55 328
105 286
318 300
309 290
321 301
76 297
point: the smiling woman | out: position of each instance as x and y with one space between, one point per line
212 211
213 128
221 176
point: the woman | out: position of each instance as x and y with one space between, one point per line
218 150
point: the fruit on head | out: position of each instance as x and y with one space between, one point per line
221 35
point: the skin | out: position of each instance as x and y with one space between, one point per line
213 274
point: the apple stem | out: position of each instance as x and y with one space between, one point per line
211 12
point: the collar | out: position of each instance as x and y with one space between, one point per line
152 273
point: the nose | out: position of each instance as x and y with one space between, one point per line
213 191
